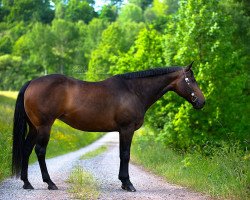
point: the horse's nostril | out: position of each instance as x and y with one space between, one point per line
199 104
202 104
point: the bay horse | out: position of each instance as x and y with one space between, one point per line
118 103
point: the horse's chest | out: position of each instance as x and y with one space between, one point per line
130 115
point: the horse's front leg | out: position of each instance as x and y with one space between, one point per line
125 143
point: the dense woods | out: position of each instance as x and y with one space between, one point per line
75 38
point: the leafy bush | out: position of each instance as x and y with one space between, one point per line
224 173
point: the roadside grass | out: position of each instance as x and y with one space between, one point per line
94 153
63 138
226 174
83 185
6 118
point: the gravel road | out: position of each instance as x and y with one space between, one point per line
104 168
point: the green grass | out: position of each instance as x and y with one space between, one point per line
94 153
83 185
63 138
226 174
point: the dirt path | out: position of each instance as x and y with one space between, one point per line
104 168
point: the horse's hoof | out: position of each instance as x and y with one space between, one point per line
129 188
28 186
52 187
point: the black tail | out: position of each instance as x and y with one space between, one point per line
19 132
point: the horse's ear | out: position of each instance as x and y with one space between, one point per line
189 66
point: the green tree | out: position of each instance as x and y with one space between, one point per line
130 13
13 73
161 13
79 10
79 51
116 39
35 48
60 10
158 14
5 45
146 53
30 10
93 36
109 13
4 11
143 4
66 35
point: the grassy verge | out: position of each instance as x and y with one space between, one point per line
94 153
83 185
226 174
63 138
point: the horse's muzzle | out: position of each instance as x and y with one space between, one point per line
199 105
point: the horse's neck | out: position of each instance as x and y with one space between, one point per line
150 89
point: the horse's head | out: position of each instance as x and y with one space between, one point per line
187 87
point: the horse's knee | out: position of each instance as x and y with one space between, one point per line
40 151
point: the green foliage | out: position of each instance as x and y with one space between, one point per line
6 109
108 13
83 184
64 48
26 47
160 8
11 68
93 35
141 3
94 153
220 71
146 52
5 45
28 10
75 9
224 174
131 13
60 10
116 39
159 13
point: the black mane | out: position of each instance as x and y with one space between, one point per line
149 72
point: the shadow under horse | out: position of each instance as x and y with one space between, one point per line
118 103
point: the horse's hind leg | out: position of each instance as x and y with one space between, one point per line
27 149
40 149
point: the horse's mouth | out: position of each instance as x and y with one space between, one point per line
199 105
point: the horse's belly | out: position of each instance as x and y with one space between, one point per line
90 123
